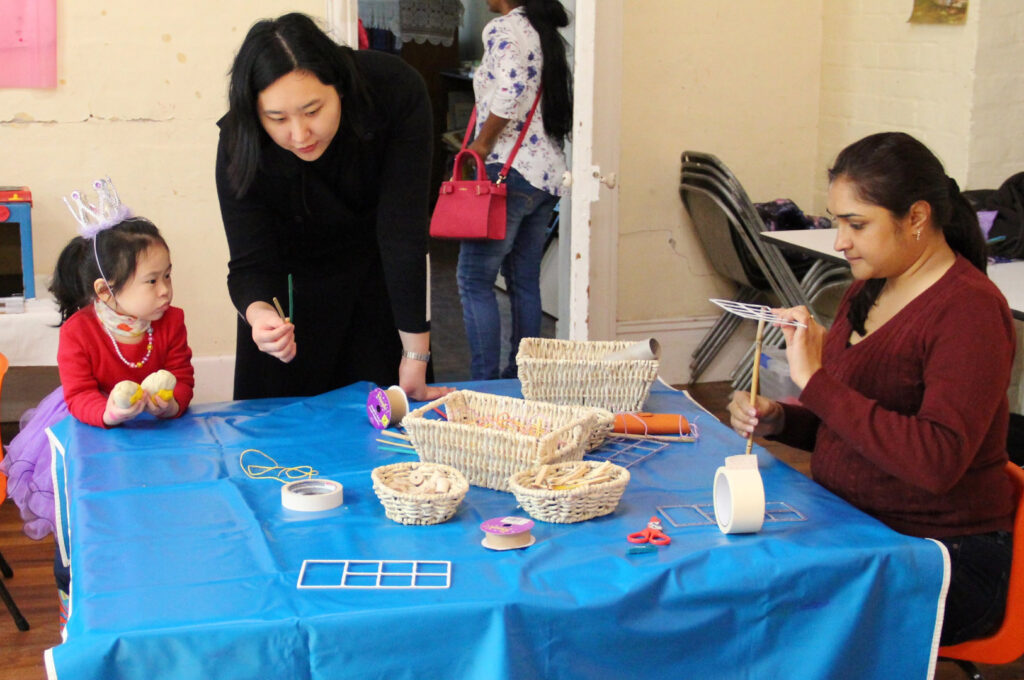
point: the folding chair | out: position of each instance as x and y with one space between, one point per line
821 285
723 243
5 568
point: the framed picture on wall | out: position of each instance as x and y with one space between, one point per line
939 12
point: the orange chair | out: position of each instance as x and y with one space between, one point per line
5 568
1006 644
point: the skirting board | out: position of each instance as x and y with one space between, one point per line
215 378
680 337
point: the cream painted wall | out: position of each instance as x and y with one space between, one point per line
880 72
997 121
141 87
737 79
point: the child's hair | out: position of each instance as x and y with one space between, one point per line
894 170
117 248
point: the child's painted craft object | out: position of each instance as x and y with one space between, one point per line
159 384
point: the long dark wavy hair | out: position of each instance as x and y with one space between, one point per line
118 250
546 17
894 170
274 48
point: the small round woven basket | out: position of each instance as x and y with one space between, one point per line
417 508
574 503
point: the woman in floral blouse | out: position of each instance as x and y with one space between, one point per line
522 51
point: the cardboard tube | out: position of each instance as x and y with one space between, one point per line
645 350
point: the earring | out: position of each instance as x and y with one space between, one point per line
917 235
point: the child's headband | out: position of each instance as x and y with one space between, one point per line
93 219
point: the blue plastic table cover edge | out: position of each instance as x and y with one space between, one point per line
183 567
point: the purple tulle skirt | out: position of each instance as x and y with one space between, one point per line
27 465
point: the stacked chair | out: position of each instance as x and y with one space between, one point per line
729 228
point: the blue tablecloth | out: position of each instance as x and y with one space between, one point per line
184 567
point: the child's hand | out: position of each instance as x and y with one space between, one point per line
159 407
114 415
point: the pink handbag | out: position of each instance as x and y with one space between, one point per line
474 208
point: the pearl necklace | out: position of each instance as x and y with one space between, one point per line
133 364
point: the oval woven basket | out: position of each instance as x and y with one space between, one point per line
574 372
572 504
417 508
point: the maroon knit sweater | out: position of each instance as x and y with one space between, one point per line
910 423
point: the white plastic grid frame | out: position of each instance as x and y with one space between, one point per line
374 574
704 514
756 312
626 452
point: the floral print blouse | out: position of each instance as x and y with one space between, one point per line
506 82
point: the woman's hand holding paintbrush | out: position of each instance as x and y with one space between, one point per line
272 331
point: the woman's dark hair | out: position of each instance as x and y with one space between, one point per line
894 170
546 17
118 250
274 48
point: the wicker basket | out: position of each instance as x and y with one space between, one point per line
572 372
488 437
418 508
565 506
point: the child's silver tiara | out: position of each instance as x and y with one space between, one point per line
108 211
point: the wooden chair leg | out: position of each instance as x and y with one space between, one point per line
19 620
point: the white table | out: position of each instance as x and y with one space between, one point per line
30 338
1008 276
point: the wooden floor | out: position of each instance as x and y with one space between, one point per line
21 653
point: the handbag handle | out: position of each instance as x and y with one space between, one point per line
465 155
503 174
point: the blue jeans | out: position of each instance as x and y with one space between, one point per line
518 257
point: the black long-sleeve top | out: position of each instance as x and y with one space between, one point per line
366 197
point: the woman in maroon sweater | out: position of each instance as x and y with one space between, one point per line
904 400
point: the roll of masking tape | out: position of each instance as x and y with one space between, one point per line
386 407
739 496
312 495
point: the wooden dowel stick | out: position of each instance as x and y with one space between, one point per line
396 435
394 443
280 311
754 376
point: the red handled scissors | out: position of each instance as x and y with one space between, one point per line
652 534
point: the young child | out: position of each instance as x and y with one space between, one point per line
113 287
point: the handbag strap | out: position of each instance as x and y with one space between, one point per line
519 141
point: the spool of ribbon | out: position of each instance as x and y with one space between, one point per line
312 495
645 350
739 496
507 533
387 407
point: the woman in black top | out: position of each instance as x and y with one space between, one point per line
323 169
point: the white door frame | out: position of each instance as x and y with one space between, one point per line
589 256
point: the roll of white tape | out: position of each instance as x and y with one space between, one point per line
739 496
312 495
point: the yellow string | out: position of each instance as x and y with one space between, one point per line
274 471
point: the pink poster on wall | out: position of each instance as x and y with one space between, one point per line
28 43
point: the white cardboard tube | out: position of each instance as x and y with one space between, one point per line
739 496
312 495
645 350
